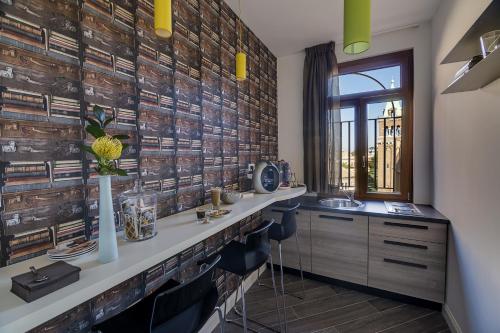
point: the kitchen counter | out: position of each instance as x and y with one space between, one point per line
371 208
176 233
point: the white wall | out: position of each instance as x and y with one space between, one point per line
290 139
290 70
466 174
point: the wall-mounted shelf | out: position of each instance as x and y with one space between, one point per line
483 73
469 44
488 69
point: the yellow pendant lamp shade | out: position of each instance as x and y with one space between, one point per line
163 18
241 58
357 32
241 66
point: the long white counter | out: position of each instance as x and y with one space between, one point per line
176 233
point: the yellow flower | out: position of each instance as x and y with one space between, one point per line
108 148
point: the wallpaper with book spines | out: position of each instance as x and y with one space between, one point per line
192 126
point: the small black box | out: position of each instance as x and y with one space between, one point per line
59 275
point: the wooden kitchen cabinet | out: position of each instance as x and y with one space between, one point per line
408 257
289 247
404 256
340 246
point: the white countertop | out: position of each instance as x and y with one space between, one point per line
175 234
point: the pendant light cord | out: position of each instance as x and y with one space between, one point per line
239 24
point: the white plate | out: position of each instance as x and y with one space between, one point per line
72 254
63 251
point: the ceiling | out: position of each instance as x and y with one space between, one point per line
289 26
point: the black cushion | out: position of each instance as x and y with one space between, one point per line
288 225
244 258
277 232
233 258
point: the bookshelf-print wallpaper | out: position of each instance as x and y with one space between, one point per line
192 126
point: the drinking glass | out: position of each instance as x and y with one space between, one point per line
215 194
201 214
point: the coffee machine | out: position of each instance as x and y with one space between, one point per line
266 177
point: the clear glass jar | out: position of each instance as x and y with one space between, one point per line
138 214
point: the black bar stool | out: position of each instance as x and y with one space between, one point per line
184 308
280 232
244 258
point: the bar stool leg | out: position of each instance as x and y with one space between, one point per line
244 306
222 321
236 310
239 312
275 293
260 284
225 295
282 286
300 264
236 299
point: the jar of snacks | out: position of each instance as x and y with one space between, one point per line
138 214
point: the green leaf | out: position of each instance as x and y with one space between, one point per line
88 149
120 137
99 114
92 121
121 172
107 121
96 131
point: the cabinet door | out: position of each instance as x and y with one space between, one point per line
289 246
340 246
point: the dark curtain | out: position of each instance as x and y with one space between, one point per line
320 113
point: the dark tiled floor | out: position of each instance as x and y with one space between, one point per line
332 309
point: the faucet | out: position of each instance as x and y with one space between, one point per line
348 193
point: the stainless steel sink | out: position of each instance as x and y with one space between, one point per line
341 203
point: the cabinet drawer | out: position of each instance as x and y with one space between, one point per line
340 246
407 229
414 251
423 279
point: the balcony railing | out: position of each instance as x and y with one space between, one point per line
381 146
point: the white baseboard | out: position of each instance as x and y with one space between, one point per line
212 323
450 319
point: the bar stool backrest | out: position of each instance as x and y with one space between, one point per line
288 221
185 308
257 246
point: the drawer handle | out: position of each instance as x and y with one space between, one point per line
416 246
347 219
404 225
405 263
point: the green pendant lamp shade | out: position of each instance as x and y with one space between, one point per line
357 33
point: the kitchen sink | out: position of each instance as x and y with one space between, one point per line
339 203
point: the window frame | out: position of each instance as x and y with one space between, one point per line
359 101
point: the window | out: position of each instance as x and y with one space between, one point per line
374 127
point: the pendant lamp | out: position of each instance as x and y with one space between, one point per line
163 18
357 22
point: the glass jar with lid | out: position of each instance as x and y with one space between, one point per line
138 213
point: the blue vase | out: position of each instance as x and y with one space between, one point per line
108 247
